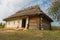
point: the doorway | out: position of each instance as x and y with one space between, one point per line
23 23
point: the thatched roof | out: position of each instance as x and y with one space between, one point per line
33 10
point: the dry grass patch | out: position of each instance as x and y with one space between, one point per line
29 35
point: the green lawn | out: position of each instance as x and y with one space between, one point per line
55 27
29 35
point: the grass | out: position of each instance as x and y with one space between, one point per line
54 34
55 27
29 35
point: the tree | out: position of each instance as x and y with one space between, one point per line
2 25
54 10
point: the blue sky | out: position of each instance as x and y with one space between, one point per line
9 7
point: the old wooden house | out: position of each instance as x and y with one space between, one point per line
30 18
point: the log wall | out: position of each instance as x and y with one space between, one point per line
33 22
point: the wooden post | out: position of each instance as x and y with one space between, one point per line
41 24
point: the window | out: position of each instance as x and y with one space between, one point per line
8 23
16 22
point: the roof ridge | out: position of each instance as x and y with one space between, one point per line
28 8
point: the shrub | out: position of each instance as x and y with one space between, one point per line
2 25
